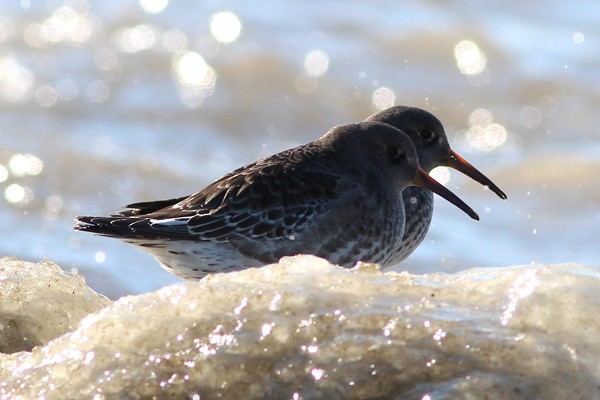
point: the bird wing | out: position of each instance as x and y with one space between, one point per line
256 205
147 207
258 202
284 204
264 215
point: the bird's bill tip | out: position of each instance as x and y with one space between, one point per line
423 180
460 164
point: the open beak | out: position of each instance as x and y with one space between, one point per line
460 164
425 181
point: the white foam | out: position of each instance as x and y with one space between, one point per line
304 326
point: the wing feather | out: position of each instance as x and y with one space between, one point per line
258 205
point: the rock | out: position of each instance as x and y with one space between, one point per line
304 328
40 302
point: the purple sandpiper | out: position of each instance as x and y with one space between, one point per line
428 135
338 197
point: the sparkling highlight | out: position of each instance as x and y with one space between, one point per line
225 26
470 60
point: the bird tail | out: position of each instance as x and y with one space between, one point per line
129 228
117 227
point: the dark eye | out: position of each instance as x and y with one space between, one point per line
395 152
427 135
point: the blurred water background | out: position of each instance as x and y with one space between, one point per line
107 103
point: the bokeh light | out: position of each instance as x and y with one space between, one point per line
100 257
484 134
578 38
19 165
3 173
225 26
196 78
174 40
16 81
530 117
66 89
54 204
316 63
98 91
383 98
190 69
153 6
65 25
34 35
440 174
135 39
14 193
25 164
470 60
46 96
18 195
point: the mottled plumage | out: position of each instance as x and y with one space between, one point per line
428 135
338 197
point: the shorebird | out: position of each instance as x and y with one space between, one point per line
338 197
431 143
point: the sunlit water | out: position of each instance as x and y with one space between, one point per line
108 103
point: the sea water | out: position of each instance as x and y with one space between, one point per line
112 102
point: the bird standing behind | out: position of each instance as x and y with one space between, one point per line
338 197
431 143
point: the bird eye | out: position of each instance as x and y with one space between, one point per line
427 135
394 152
